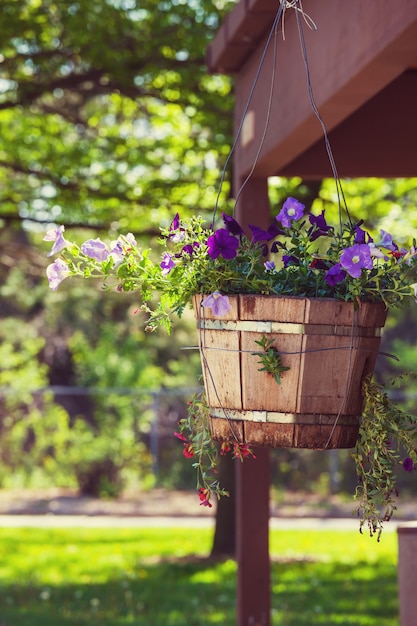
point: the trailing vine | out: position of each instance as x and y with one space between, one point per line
387 440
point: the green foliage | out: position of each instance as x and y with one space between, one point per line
193 262
149 577
32 430
194 431
379 202
270 359
108 113
387 440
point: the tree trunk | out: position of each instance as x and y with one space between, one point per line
224 542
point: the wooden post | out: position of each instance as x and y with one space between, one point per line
407 573
252 542
253 475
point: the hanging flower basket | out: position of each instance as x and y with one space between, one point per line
328 346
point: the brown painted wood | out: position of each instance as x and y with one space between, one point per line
378 139
328 345
253 478
359 49
358 59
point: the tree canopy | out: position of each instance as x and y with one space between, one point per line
107 111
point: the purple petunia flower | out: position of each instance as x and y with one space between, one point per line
335 275
276 246
361 236
56 273
232 225
275 229
167 263
95 249
290 259
57 236
176 233
408 464
376 252
117 253
120 247
222 243
219 304
291 211
355 258
387 241
269 266
259 234
319 226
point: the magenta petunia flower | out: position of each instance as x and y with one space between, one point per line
57 236
56 273
291 211
222 243
219 304
95 249
355 258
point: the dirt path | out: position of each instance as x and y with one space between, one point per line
165 503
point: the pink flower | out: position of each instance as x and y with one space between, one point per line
56 272
56 235
120 247
95 249
219 304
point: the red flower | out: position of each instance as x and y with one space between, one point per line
188 451
204 495
397 254
225 448
181 437
242 450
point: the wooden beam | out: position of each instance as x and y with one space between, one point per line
358 49
379 139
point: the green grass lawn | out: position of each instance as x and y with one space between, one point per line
160 577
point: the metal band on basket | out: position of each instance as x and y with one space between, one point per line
288 328
282 418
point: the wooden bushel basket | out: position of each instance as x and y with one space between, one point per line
328 346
